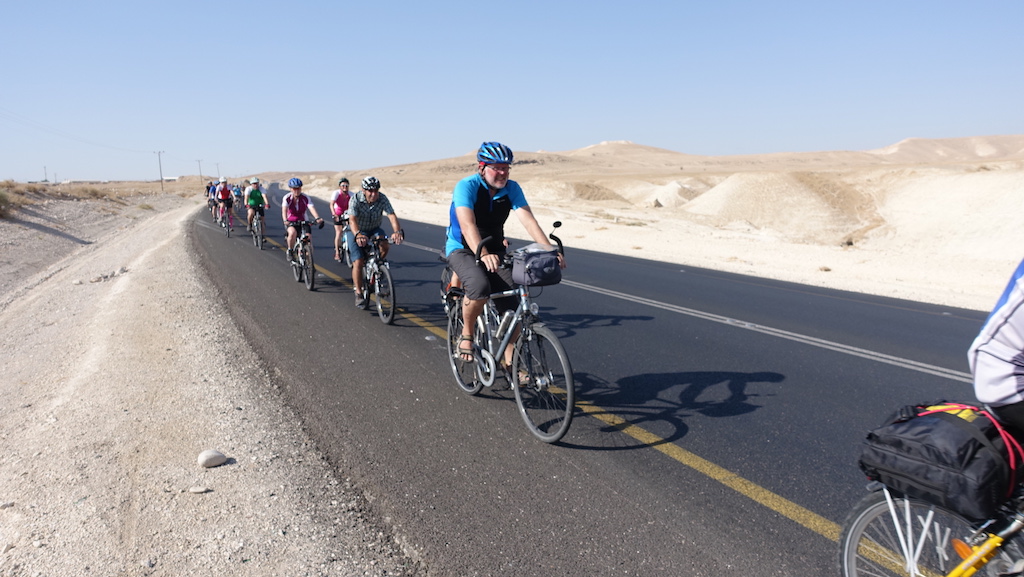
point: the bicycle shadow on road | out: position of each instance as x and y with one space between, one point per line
661 403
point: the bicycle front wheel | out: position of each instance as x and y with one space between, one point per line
543 383
384 290
464 371
308 270
888 534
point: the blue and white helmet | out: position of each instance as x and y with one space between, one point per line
494 153
294 183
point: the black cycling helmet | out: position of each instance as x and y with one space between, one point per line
494 153
342 181
371 183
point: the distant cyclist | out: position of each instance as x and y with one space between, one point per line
256 201
225 201
293 212
339 210
211 199
366 211
480 206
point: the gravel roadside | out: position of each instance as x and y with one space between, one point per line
109 392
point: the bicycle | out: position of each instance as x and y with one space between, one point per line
887 533
936 471
540 374
257 231
346 256
302 256
223 220
377 279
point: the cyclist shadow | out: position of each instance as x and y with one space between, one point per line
664 401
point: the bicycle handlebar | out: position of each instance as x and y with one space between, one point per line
558 241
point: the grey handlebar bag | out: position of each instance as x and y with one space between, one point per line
536 265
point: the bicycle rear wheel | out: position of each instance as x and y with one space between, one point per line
906 536
308 270
384 290
543 383
465 372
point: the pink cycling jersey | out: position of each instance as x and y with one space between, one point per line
295 206
339 202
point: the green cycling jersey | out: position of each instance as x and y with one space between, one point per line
256 197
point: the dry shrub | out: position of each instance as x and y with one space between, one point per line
12 195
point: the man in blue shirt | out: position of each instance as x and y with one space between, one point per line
481 204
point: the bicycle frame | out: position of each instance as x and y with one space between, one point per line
498 338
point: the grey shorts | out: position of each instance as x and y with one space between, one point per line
477 282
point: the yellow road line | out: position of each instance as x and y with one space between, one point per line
780 505
440 332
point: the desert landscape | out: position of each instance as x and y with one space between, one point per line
107 395
921 219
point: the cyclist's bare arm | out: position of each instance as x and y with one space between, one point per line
529 222
398 236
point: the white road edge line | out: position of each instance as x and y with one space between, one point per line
815 342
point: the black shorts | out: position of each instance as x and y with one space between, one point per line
477 282
340 220
227 202
257 208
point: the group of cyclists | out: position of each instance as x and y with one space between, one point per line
357 218
221 199
481 203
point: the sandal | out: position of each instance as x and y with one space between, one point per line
524 377
466 351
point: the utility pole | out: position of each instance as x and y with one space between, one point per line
45 177
200 171
218 170
161 165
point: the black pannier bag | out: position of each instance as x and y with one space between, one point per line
949 454
536 265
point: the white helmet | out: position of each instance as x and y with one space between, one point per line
255 181
223 179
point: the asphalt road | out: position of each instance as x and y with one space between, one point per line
718 419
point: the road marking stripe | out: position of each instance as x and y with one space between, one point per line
784 507
807 340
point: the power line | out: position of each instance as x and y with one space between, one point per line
17 118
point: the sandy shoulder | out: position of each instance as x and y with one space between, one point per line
112 387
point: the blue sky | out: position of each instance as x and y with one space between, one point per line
93 89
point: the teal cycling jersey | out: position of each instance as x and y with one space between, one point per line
490 212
